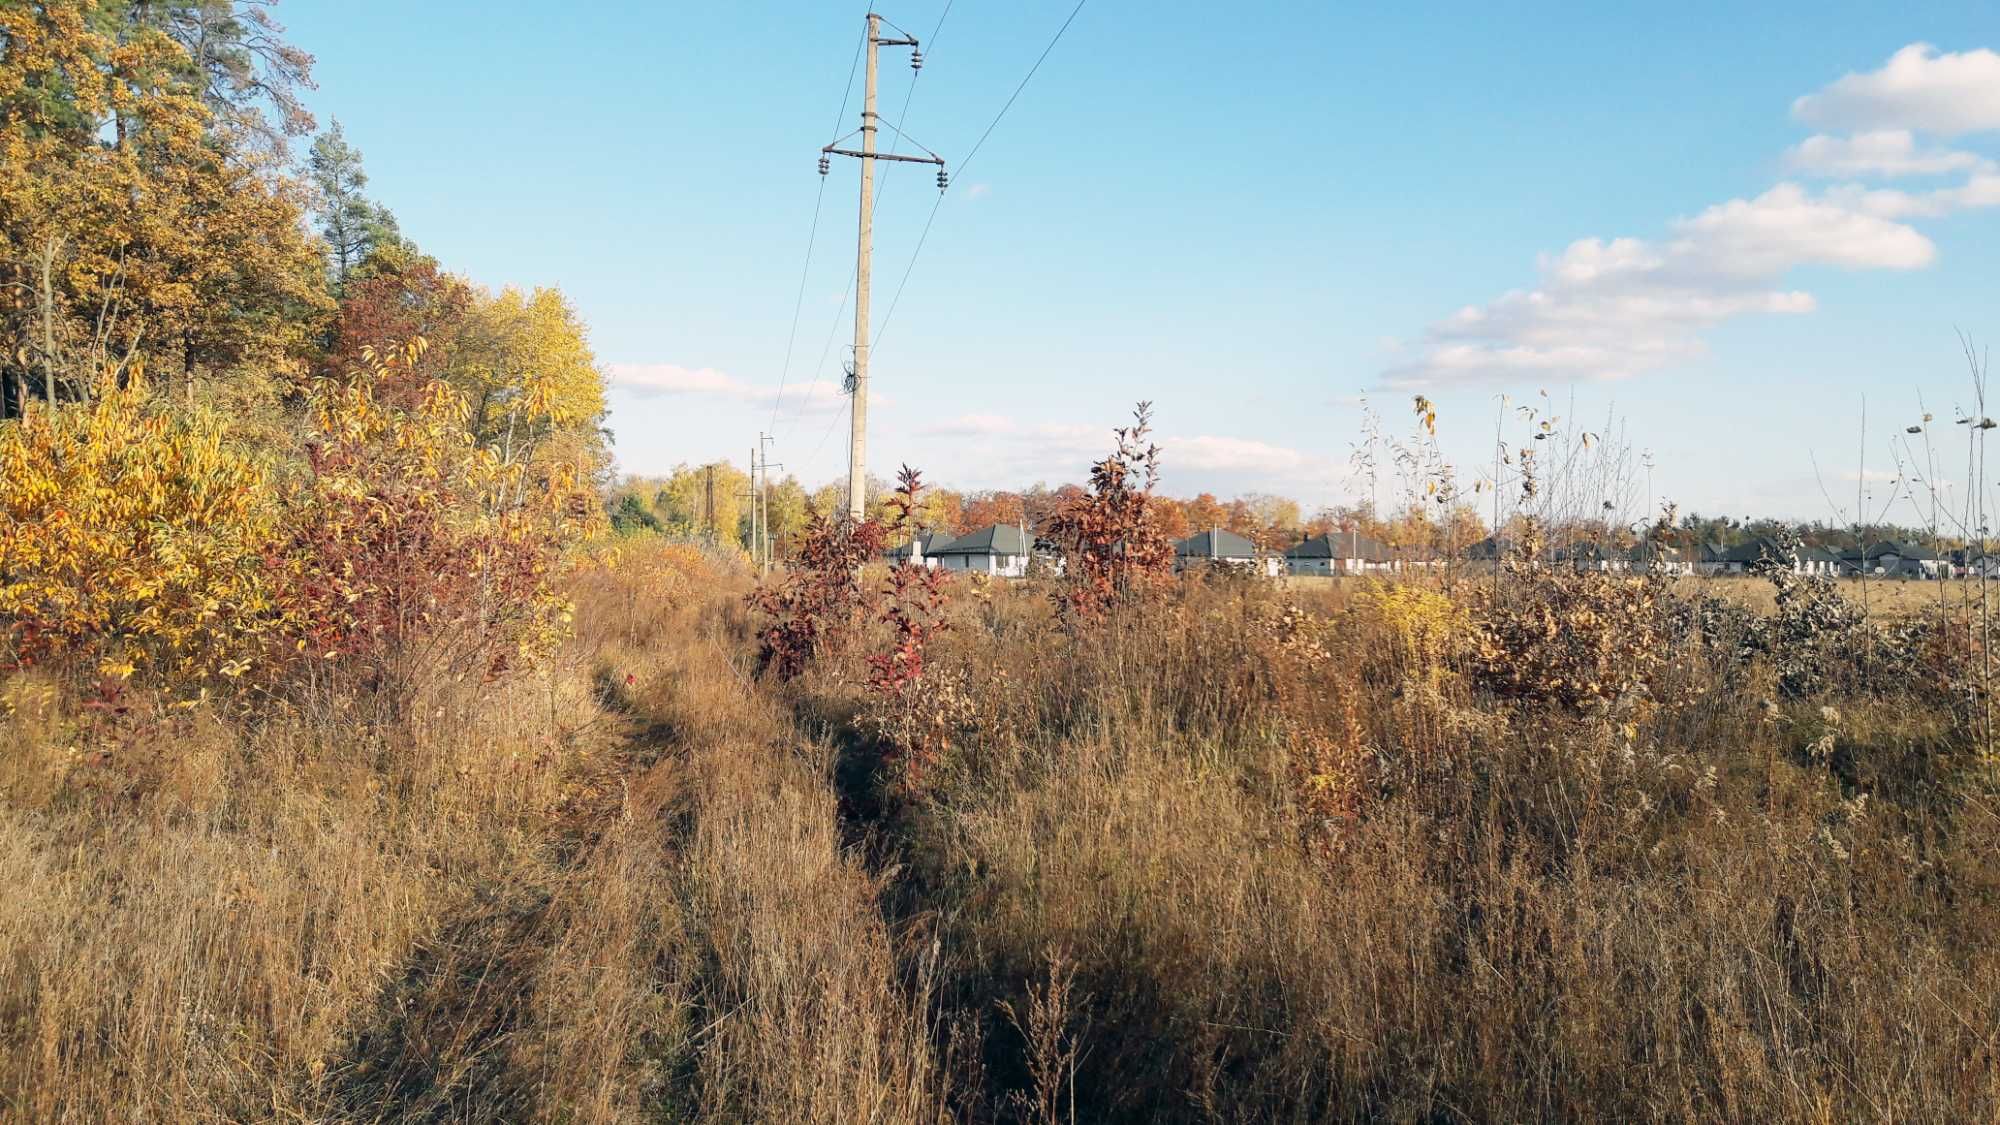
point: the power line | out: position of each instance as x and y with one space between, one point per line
1024 85
908 97
959 172
812 238
798 305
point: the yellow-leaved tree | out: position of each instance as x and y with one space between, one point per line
131 223
132 537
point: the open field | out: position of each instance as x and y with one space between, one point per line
1887 598
1213 858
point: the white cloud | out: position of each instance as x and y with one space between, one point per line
1785 227
978 191
1616 308
1611 308
1065 451
672 379
966 425
1210 453
1882 152
1918 88
1982 189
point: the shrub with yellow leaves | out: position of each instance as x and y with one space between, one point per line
1584 641
1424 632
131 537
414 552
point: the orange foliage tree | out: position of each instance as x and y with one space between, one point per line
175 241
412 551
1110 536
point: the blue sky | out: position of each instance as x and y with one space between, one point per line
1248 214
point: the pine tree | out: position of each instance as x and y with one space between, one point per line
354 226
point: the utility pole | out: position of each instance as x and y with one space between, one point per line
764 499
857 441
755 516
708 503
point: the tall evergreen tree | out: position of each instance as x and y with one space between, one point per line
353 225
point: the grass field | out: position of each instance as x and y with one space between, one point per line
1242 852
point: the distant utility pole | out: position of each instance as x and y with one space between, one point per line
764 499
857 442
708 503
755 515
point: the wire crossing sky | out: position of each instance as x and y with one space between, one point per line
1725 226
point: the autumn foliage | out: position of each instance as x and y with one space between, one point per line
819 598
130 537
413 549
1110 537
914 600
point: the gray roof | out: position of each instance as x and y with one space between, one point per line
931 540
1646 550
1756 549
1216 544
1491 547
999 539
1339 545
1588 551
1901 550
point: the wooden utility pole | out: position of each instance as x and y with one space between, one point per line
857 441
764 499
755 515
708 503
857 434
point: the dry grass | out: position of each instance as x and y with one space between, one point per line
1882 597
643 885
581 898
1540 917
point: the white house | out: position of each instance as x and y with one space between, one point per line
923 548
1647 557
1216 547
1978 564
1341 552
1001 550
1594 556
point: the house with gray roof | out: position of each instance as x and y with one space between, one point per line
1649 557
1340 552
1588 555
1902 560
1001 550
1764 552
1216 547
922 548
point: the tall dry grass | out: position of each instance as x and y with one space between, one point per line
1537 914
1243 853
612 890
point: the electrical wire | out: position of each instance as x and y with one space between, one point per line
908 97
959 172
812 238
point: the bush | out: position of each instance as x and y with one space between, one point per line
1581 641
130 538
413 552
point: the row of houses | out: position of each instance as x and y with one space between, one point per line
1877 560
1004 551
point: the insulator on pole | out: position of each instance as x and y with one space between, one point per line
916 60
824 165
944 181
